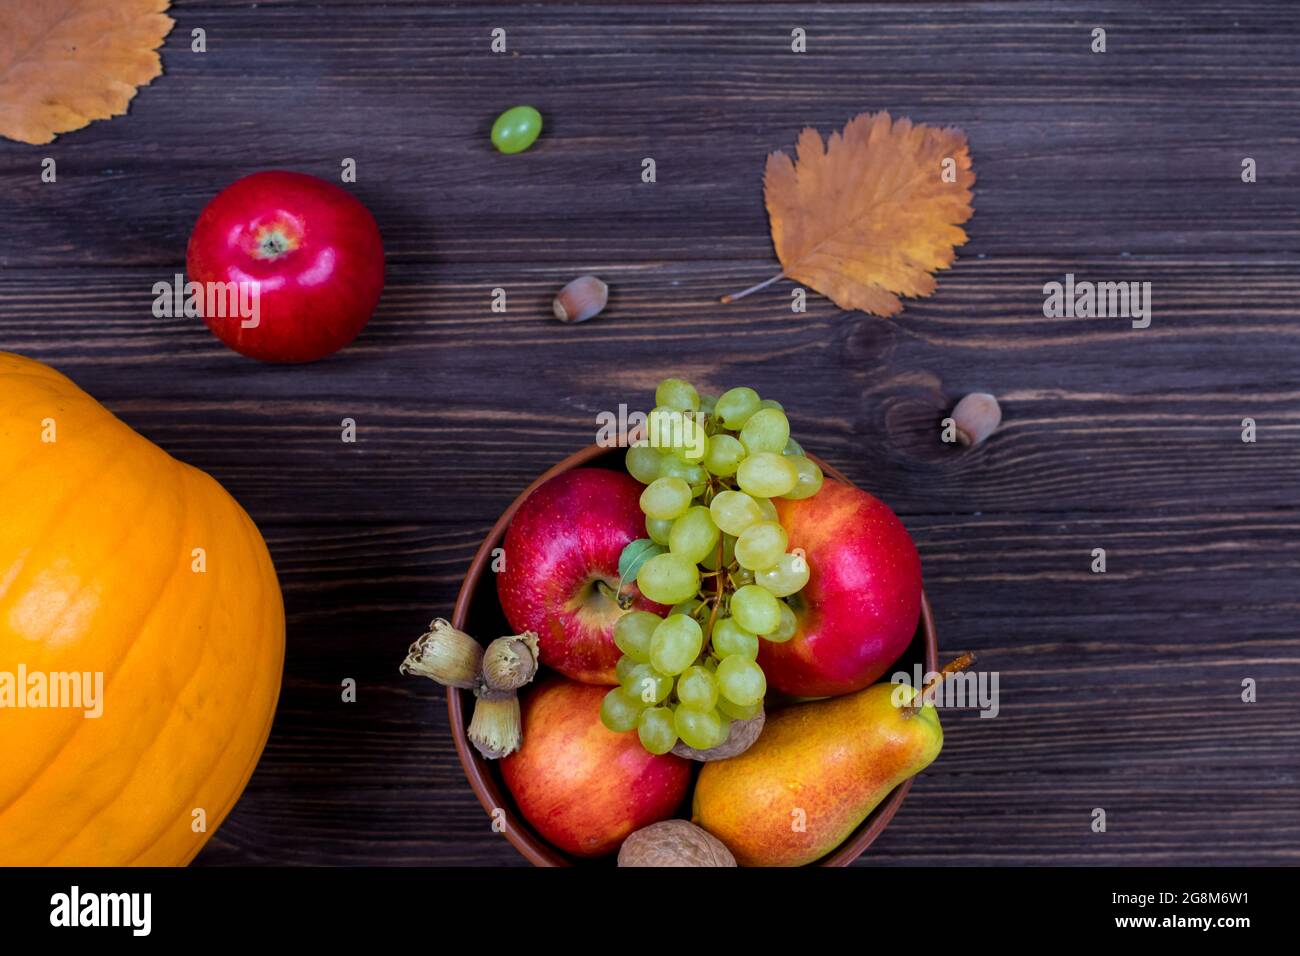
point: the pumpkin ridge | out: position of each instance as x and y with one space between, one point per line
52 760
236 730
137 630
264 557
26 787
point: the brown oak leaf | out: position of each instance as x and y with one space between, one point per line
867 216
65 63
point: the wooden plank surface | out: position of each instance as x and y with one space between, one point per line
1118 691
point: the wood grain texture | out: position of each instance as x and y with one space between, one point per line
1118 691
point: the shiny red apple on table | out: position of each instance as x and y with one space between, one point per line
582 786
561 569
313 252
859 610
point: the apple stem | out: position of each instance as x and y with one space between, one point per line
753 288
622 599
952 667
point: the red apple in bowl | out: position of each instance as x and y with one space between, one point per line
561 569
584 787
310 251
859 610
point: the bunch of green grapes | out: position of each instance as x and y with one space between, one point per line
717 554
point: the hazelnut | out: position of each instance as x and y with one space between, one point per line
495 730
581 299
976 416
510 662
446 655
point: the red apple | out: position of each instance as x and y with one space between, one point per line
311 250
561 569
584 787
859 609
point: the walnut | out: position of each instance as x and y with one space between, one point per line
674 843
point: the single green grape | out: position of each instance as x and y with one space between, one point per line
808 478
771 403
676 643
632 634
736 405
656 729
659 529
697 689
741 680
668 579
516 129
754 609
647 685
786 576
724 455
742 576
787 628
697 728
766 475
730 639
761 545
707 403
766 430
619 712
694 535
736 712
734 511
792 447
666 498
767 508
643 463
677 393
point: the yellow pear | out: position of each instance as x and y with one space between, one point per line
815 773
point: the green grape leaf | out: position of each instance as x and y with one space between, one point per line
637 553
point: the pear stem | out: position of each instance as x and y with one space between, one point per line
952 667
753 288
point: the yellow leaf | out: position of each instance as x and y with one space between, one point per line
65 63
869 215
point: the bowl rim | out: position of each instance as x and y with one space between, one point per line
522 837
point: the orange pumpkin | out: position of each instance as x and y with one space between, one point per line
117 560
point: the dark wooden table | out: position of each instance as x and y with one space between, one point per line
1120 691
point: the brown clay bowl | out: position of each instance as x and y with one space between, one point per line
477 612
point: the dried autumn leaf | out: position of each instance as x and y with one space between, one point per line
869 215
65 63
